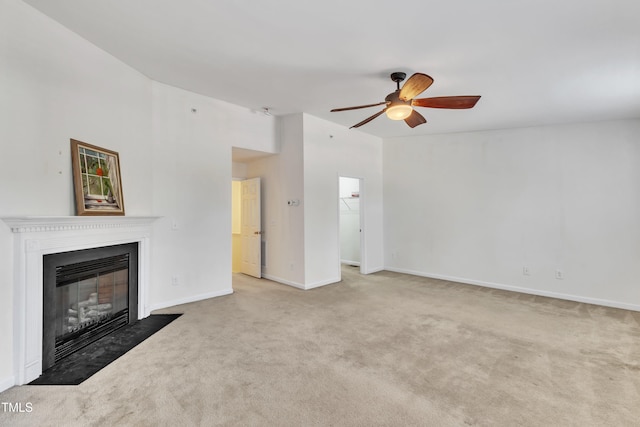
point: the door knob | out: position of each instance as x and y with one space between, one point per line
257 232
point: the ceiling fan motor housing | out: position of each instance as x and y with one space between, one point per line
394 99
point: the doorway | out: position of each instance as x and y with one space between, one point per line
350 223
246 229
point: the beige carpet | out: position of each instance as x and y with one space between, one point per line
385 349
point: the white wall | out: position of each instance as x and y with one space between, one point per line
303 242
331 151
238 170
283 225
348 186
175 164
478 207
192 190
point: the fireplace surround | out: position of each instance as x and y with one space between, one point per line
35 237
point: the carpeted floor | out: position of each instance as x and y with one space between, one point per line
385 349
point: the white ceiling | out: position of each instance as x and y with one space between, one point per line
534 62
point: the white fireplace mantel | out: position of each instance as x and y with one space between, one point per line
33 224
34 237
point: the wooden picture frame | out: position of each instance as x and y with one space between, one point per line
96 180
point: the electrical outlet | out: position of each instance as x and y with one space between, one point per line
526 271
175 281
559 275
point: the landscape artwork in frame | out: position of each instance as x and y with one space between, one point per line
96 180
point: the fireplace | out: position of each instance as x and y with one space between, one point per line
37 237
87 294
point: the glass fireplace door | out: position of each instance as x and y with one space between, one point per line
92 300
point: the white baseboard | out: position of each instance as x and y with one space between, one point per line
346 261
369 271
190 299
530 291
7 383
283 281
300 285
322 283
374 270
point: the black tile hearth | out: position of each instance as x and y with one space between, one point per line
74 369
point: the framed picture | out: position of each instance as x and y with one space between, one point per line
96 180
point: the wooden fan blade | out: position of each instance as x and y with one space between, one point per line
413 87
367 120
359 106
452 102
415 119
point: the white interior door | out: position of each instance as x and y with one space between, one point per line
251 233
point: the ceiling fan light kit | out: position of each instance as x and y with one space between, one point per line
397 109
398 112
399 104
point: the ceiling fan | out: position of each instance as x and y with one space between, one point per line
399 104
